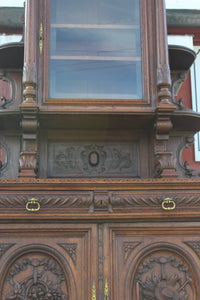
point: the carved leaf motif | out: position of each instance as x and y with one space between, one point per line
127 249
195 246
71 249
4 248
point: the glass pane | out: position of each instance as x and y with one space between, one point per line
95 49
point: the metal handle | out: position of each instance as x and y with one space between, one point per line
168 204
33 205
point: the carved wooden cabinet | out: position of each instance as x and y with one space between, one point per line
95 201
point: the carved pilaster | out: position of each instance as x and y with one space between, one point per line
29 107
163 71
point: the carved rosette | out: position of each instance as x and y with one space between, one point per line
35 277
163 277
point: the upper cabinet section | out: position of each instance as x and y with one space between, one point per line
97 55
94 50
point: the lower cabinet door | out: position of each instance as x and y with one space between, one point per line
152 263
110 261
47 262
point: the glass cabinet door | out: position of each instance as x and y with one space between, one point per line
95 50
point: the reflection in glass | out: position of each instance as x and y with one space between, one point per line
95 49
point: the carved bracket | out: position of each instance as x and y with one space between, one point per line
177 80
165 163
28 160
183 167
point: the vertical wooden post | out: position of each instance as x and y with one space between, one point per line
29 107
164 161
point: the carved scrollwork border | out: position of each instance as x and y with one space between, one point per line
90 202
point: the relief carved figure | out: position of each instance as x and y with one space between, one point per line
35 277
163 278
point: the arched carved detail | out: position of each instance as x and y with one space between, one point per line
163 274
34 276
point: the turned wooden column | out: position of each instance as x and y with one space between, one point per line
164 161
29 107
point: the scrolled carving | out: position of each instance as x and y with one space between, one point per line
184 166
177 80
99 159
35 277
164 277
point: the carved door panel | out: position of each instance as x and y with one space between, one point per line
47 263
152 264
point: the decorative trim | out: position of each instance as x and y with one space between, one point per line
116 200
71 249
127 249
4 248
195 246
100 260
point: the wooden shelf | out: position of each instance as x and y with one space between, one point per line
93 57
95 26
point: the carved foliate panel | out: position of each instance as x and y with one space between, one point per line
163 276
35 276
93 159
127 249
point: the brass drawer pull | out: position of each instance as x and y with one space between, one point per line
33 205
168 204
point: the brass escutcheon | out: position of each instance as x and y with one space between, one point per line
33 205
168 204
